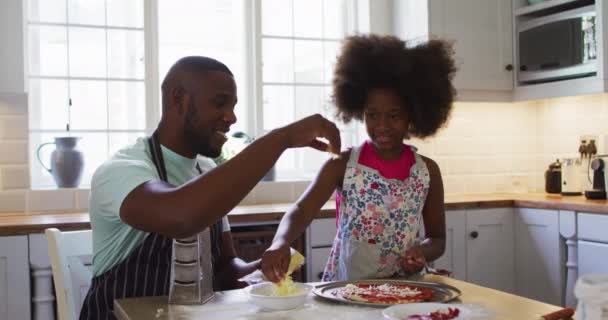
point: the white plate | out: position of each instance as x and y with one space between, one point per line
402 311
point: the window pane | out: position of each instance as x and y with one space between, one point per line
182 32
91 12
335 22
47 10
286 165
39 176
48 51
311 160
277 17
48 104
89 105
125 54
119 140
87 52
348 135
123 13
307 18
308 62
94 146
126 107
278 106
309 100
329 111
331 51
277 60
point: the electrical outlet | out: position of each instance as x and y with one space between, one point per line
599 142
583 140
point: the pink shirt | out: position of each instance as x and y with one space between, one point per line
390 169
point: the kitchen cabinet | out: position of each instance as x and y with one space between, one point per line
454 257
593 257
538 255
592 244
483 44
518 250
489 248
14 278
316 263
319 236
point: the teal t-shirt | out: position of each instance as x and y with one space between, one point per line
113 239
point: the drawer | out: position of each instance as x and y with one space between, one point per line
592 227
317 261
592 257
322 232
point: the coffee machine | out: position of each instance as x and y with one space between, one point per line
599 177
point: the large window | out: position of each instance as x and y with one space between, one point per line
299 41
88 77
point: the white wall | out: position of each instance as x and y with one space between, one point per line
11 50
486 147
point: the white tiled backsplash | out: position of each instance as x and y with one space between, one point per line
486 147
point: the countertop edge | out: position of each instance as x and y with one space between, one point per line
28 223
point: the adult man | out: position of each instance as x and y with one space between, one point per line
152 192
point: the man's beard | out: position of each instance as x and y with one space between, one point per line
197 141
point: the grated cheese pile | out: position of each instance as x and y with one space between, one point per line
287 287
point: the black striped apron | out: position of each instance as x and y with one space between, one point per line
146 271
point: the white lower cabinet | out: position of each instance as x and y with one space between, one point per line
592 244
319 238
318 259
454 257
539 255
593 257
14 278
489 248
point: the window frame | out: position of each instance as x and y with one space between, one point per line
256 123
151 79
147 7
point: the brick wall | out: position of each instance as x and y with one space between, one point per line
486 147
14 176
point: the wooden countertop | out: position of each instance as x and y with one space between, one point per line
234 304
26 223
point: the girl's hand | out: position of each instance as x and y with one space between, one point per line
275 262
413 261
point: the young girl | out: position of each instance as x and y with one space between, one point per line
385 190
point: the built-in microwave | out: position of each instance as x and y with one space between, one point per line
559 46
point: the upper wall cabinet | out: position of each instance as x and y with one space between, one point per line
482 34
558 46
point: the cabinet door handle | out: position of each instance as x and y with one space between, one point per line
509 67
320 275
474 234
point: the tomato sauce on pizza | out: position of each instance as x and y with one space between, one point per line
385 293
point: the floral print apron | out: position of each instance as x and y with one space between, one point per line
380 219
